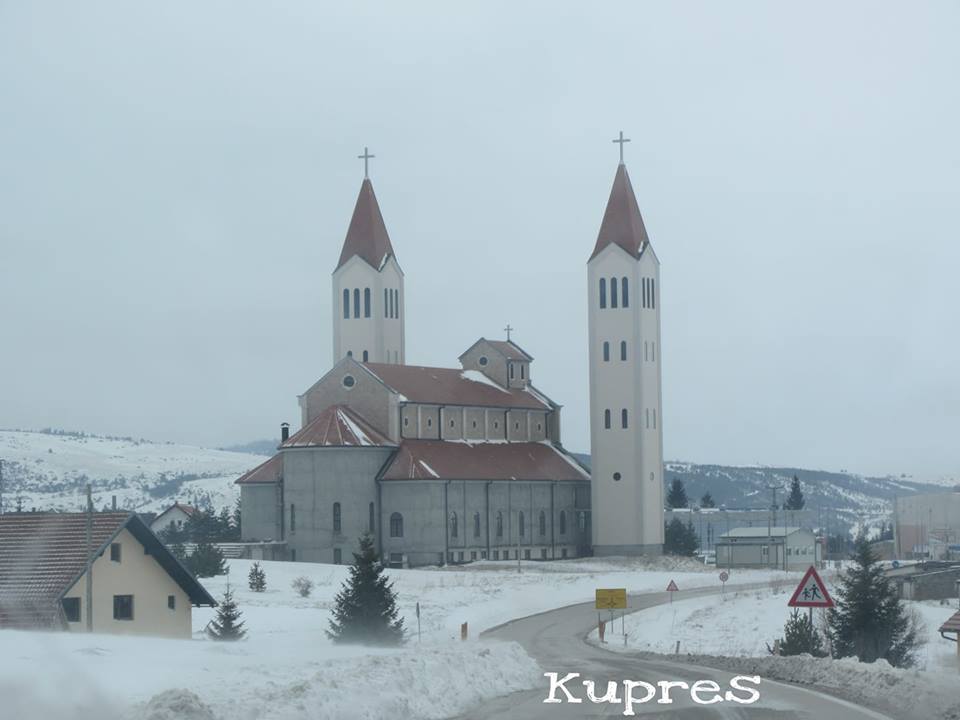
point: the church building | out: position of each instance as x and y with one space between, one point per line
451 465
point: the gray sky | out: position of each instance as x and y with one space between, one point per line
176 180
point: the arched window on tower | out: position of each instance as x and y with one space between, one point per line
499 524
613 292
396 304
603 292
454 529
336 517
543 523
653 293
606 351
520 524
356 302
366 302
476 525
623 349
624 289
386 303
346 304
606 419
563 522
366 356
396 525
623 418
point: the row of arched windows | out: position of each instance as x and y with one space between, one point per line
356 303
521 524
606 350
391 303
619 296
649 293
608 418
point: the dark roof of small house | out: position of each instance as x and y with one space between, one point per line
42 555
188 510
952 624
337 426
367 235
270 471
449 386
452 460
622 224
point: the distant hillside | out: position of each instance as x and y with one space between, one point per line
255 447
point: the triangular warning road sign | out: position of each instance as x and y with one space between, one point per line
811 592
672 587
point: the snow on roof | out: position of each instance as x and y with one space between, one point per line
337 426
477 376
752 532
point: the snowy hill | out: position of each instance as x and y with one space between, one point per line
48 470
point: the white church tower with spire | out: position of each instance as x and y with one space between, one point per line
626 421
368 300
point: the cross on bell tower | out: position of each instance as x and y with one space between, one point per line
367 156
620 141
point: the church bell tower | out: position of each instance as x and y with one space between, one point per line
368 300
626 422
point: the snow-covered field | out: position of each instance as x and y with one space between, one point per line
288 669
50 471
743 623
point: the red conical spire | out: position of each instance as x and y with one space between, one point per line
367 234
622 223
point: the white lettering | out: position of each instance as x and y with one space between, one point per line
610 696
735 684
705 686
629 700
665 686
559 685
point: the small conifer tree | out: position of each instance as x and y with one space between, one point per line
207 561
799 636
795 500
677 496
257 579
227 625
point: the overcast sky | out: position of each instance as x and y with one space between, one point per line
176 180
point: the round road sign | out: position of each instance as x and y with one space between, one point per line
724 576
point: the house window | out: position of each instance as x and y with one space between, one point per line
521 524
346 304
123 607
356 302
606 419
476 525
623 349
543 523
366 302
603 292
454 526
606 351
293 518
337 556
499 524
71 609
623 418
115 552
624 291
396 525
171 602
336 517
372 519
613 292
563 522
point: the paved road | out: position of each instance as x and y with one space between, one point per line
556 640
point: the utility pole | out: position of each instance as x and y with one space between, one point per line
89 560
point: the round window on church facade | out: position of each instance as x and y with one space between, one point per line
616 477
349 381
482 360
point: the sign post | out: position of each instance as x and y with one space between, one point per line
418 622
811 593
724 576
672 588
609 599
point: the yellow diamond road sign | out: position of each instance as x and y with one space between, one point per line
611 599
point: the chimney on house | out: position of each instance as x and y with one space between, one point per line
114 501
284 432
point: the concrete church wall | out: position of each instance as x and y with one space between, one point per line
368 397
260 510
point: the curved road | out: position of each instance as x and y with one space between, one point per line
556 640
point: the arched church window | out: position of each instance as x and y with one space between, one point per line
521 524
366 302
523 369
476 525
372 520
346 304
613 292
603 292
336 517
499 524
625 290
390 314
454 530
563 522
623 418
606 351
606 419
396 525
653 293
396 304
511 371
356 302
582 520
366 356
543 523
623 349
386 303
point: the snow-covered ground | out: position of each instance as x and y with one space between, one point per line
744 623
288 669
49 471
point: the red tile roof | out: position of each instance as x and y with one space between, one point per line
42 555
952 625
446 460
367 235
622 223
337 426
448 386
270 471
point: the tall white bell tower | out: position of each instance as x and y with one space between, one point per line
626 421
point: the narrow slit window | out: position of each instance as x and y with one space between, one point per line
386 303
625 293
346 304
613 292
623 349
356 302
603 293
606 351
366 302
606 419
623 418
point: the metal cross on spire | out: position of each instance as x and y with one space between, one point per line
366 161
620 141
508 330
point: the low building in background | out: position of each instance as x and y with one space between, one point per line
710 523
138 586
927 526
174 517
786 548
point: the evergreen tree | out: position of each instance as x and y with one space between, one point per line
680 539
365 609
870 622
691 543
238 520
257 578
227 625
799 637
207 560
677 497
707 500
795 500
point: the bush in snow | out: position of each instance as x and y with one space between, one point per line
303 586
870 622
257 579
800 637
207 560
227 625
365 609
